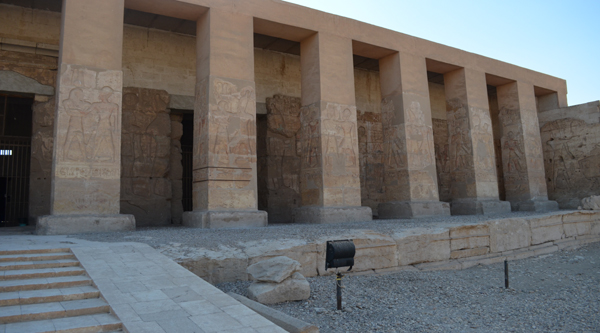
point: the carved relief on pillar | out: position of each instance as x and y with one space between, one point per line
394 142
419 138
146 190
370 141
225 145
88 123
281 158
483 138
310 137
442 158
571 159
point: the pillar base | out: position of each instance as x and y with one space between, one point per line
324 215
535 206
216 219
412 209
76 224
479 207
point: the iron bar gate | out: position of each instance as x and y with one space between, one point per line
15 153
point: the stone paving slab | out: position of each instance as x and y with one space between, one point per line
148 291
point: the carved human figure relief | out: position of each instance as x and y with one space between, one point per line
102 144
459 149
74 148
513 148
347 140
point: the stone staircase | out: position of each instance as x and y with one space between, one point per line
48 291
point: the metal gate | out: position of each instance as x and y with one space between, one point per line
15 155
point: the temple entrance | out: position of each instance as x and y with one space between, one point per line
15 155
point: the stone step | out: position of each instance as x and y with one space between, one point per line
52 310
45 283
47 295
3 253
36 256
103 322
40 273
12 265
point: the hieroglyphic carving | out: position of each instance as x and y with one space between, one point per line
310 137
572 160
394 138
419 138
442 158
146 151
283 115
370 138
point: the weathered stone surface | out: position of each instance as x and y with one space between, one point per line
295 288
370 146
591 203
302 251
457 254
223 265
273 270
509 234
320 215
570 141
546 228
225 219
42 142
422 245
146 187
75 224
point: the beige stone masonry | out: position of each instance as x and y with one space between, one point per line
410 178
86 169
455 246
474 187
329 139
523 162
224 162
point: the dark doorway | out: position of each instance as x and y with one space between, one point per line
187 148
15 154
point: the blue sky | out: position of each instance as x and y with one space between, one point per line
559 38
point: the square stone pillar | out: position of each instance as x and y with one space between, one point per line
330 175
225 185
474 187
409 159
522 156
86 167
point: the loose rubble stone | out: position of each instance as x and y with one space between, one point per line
274 270
591 203
295 288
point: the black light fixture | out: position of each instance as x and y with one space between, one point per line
340 253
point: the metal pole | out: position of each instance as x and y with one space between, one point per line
506 274
338 284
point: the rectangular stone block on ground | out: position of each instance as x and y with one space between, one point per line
75 224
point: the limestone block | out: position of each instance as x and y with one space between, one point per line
299 250
469 237
591 203
469 243
295 288
422 245
457 254
273 270
546 228
577 229
74 224
581 216
509 234
223 265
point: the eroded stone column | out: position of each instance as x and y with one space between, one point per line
330 175
522 156
225 180
409 159
86 167
474 187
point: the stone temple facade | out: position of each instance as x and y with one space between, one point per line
214 114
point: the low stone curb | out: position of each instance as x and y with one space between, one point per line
280 319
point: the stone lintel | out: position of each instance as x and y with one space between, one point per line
217 219
412 209
479 207
75 224
324 215
535 206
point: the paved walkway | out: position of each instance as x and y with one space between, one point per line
148 291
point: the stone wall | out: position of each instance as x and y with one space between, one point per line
279 158
146 156
42 139
571 152
454 246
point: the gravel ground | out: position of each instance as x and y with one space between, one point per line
557 292
212 238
